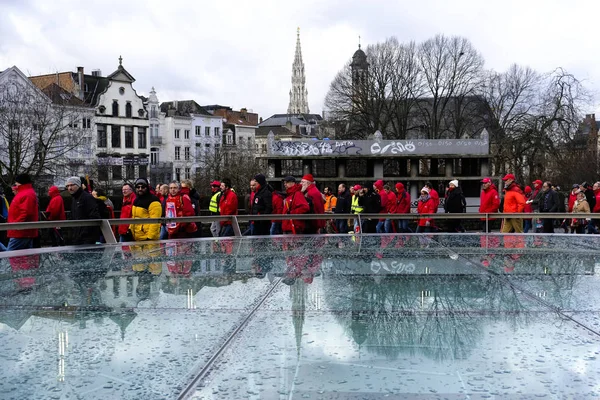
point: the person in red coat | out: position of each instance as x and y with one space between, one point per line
434 195
55 212
426 205
489 203
179 203
294 203
311 191
402 207
228 204
128 199
277 201
24 208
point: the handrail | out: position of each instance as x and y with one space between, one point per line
107 224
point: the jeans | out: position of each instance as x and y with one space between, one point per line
164 234
387 226
526 225
403 226
275 228
380 227
226 230
591 228
342 225
19 244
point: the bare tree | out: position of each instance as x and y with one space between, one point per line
38 130
452 70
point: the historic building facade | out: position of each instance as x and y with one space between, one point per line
298 93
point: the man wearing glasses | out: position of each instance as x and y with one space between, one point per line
145 205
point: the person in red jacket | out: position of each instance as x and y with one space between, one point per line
295 203
573 196
178 204
489 203
434 195
311 191
228 204
24 208
378 188
402 207
391 208
128 199
426 205
514 202
277 201
55 212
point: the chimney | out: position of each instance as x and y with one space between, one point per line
96 72
80 81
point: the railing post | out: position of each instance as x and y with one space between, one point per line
360 230
107 232
236 226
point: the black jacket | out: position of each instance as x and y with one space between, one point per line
84 206
344 203
549 202
455 202
262 205
372 202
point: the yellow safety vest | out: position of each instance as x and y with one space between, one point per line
356 209
214 203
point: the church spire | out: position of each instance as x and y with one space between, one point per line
298 93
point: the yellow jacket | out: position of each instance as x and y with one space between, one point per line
146 231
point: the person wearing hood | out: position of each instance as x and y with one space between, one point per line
402 207
145 205
514 202
311 191
262 204
83 206
295 203
228 205
55 212
378 187
455 204
425 205
489 202
434 195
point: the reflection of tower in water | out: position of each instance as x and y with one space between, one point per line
298 296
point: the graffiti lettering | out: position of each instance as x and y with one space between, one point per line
316 148
393 267
393 148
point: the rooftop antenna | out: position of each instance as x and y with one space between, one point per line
359 41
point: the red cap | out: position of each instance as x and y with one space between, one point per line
508 176
538 182
356 187
528 189
486 180
308 177
215 183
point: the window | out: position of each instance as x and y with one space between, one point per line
129 137
176 133
177 174
229 139
143 171
130 172
87 123
153 113
101 129
207 131
153 156
217 146
128 110
207 145
177 153
117 172
73 123
115 108
186 153
115 136
198 130
103 172
217 131
141 138
186 134
187 173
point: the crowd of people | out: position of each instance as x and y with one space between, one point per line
298 197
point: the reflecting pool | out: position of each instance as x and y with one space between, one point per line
437 316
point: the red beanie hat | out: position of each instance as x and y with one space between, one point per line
399 186
308 177
528 189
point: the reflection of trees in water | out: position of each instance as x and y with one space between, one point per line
434 315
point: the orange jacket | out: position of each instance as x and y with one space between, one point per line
514 200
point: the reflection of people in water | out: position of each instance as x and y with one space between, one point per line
301 263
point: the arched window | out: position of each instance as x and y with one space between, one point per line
128 110
115 108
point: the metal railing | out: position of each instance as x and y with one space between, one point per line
106 225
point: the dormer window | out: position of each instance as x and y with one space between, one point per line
115 108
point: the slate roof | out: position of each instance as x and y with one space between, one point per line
60 96
277 131
295 119
184 108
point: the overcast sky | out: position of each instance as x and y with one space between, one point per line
240 53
